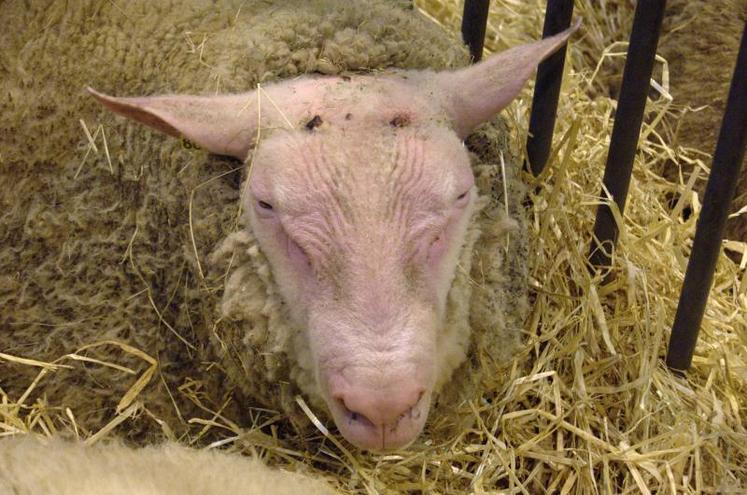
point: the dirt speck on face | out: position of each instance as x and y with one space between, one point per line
315 122
400 120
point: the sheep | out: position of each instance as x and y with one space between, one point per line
697 35
143 242
30 466
694 35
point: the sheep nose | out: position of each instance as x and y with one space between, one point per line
382 418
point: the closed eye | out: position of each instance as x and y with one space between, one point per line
264 210
463 198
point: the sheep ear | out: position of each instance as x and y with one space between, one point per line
224 124
475 94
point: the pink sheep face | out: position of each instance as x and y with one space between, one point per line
363 236
360 194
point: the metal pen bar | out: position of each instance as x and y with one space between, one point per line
625 132
722 183
547 88
474 21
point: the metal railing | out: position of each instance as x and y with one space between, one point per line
722 181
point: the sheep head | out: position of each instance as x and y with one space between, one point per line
360 193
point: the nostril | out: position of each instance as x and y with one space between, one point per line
360 419
353 416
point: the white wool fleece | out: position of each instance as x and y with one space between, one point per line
43 466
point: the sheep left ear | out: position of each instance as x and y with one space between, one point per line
475 94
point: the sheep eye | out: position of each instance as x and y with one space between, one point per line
462 196
264 205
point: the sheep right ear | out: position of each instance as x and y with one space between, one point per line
224 124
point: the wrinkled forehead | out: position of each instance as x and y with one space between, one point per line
401 99
366 163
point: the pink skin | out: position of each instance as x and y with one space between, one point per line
359 238
360 196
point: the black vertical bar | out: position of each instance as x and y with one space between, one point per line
547 88
627 126
722 183
474 21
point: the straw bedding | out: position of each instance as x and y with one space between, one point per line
584 406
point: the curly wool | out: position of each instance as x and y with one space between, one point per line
113 244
